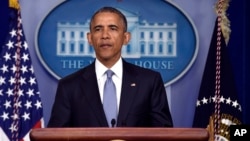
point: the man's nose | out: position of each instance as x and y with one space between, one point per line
105 34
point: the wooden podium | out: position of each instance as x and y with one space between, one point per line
119 134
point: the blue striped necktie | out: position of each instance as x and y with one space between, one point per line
109 100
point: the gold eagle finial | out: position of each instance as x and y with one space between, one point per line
14 4
222 6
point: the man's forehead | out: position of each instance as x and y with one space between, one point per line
106 18
106 15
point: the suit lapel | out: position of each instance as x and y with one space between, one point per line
129 88
92 94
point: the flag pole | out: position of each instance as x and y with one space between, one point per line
15 122
221 8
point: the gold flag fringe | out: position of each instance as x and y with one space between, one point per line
14 4
225 23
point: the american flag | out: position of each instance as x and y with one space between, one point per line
20 104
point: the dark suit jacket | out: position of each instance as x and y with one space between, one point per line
78 103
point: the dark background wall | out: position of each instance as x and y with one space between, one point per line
239 51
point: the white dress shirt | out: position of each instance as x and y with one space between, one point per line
100 70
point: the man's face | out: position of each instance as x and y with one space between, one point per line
107 36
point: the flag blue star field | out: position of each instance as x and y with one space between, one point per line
218 106
20 104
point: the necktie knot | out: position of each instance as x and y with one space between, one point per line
109 73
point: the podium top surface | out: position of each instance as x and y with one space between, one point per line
119 134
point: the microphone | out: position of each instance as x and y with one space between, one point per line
113 122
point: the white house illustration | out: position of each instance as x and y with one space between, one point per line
147 39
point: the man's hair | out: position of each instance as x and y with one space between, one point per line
112 10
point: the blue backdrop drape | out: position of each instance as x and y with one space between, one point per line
239 51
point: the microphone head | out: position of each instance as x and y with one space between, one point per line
113 122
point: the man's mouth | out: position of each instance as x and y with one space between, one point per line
105 45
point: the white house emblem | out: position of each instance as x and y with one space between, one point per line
163 39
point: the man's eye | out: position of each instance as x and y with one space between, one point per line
113 28
97 29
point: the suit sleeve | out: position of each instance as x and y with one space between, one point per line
60 113
160 113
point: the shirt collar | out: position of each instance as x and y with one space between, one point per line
101 69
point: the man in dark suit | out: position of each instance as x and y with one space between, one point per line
140 93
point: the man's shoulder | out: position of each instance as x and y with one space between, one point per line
86 71
138 69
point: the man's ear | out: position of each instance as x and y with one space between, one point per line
127 37
89 38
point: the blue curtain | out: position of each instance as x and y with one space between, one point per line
239 51
4 20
